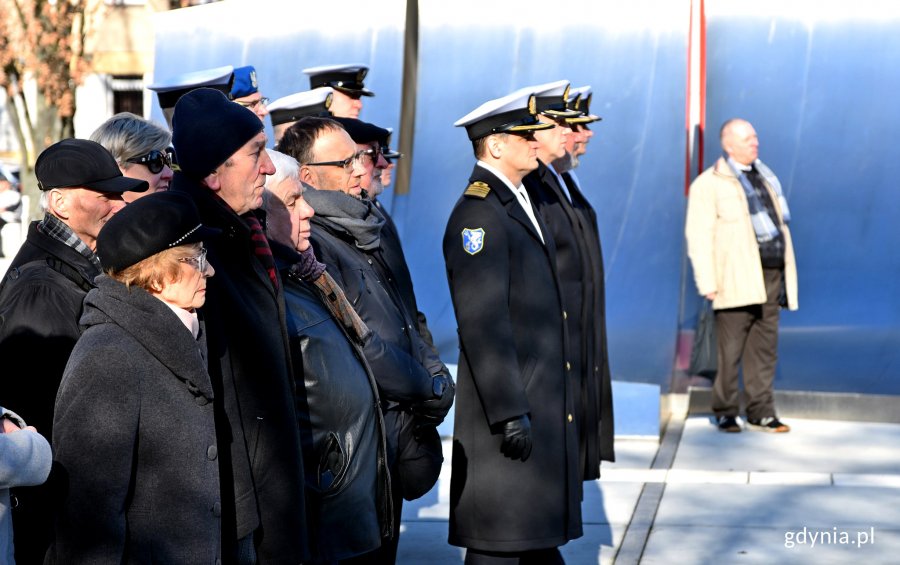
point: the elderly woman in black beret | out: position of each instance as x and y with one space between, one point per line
134 433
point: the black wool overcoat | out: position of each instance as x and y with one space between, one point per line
597 352
512 362
576 259
251 371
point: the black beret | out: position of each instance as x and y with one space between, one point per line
150 224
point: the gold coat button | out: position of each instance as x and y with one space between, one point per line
570 418
565 315
568 366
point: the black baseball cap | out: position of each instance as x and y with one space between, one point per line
149 225
81 163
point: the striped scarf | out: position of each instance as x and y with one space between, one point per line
58 230
261 247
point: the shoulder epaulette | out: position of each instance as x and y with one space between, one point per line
478 189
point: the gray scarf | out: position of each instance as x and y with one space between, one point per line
338 211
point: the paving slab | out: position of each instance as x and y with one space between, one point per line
715 523
728 498
782 506
426 542
609 504
632 454
713 545
811 446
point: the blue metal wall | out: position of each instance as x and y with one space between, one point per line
633 173
816 86
818 89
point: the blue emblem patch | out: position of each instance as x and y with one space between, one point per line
473 240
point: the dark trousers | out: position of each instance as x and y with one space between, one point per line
750 335
537 557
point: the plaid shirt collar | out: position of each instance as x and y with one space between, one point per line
55 228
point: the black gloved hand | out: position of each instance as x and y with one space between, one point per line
517 438
433 412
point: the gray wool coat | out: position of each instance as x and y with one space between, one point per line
135 438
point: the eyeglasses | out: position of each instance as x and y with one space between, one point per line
347 163
199 262
155 160
252 105
368 157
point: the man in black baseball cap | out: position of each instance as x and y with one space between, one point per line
41 294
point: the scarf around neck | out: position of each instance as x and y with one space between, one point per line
337 210
763 225
308 268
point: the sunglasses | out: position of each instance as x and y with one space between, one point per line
155 160
199 261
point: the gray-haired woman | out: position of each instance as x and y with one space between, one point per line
141 148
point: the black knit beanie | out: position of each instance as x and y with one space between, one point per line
207 129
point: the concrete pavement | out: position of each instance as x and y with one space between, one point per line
828 492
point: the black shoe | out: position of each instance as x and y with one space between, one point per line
770 424
727 424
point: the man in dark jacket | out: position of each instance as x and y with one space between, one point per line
346 236
515 492
221 151
348 492
575 260
41 296
368 138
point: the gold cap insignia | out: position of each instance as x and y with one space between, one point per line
328 100
532 105
566 93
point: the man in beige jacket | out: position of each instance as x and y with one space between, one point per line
740 248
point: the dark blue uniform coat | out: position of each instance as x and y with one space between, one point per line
576 261
512 343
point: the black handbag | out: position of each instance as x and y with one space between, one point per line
419 456
704 353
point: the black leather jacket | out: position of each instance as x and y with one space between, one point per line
341 426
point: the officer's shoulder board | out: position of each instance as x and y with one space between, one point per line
478 189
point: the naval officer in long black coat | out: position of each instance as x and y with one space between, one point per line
579 268
515 490
597 352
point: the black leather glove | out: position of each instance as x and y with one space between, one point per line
517 438
433 412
